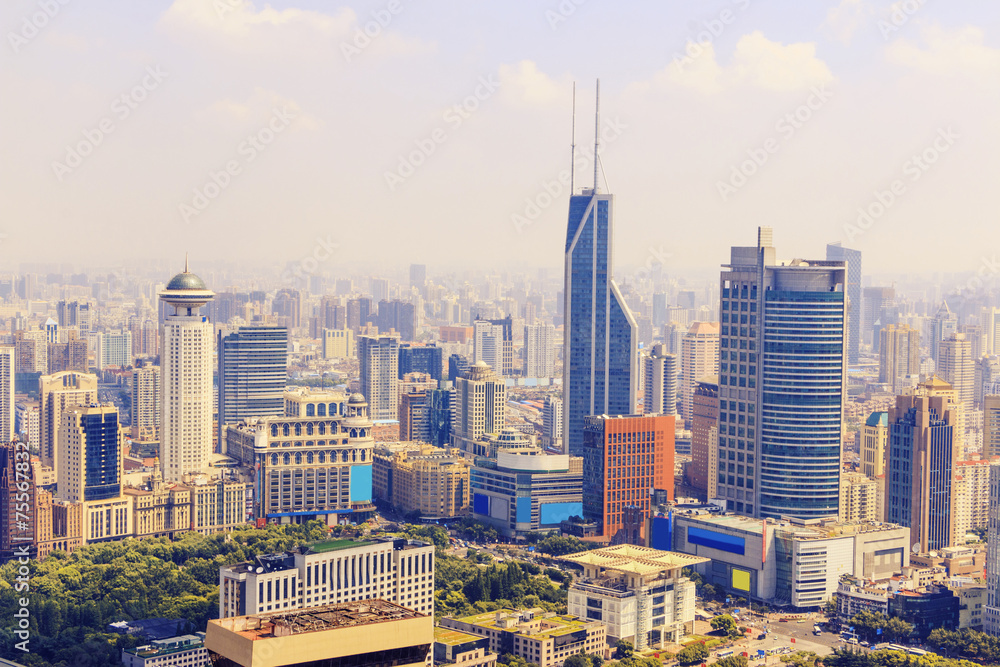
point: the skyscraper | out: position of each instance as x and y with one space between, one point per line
956 366
660 371
421 359
781 383
944 324
705 437
6 394
919 492
552 422
479 405
991 610
852 258
487 345
699 359
899 355
876 304
253 371
146 403
539 350
91 464
991 426
57 393
600 355
418 276
378 359
186 346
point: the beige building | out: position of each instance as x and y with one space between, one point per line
859 498
430 480
183 651
378 365
540 637
91 461
899 355
58 393
31 351
338 344
463 649
368 633
146 403
972 496
6 393
955 364
58 524
699 359
991 426
161 509
480 406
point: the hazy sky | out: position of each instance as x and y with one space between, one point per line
331 136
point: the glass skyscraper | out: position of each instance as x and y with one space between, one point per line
837 252
600 355
781 384
253 371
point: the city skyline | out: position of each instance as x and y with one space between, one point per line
187 90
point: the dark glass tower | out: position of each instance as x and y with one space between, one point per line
253 370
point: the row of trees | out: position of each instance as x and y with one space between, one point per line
849 658
867 625
463 587
967 644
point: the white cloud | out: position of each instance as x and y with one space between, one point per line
844 20
523 84
757 62
956 52
240 17
257 108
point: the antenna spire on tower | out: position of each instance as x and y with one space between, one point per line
572 148
597 132
186 262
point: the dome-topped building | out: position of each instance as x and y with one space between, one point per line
186 292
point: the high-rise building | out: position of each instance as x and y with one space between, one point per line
991 426
552 422
705 436
899 355
660 370
781 384
32 352
943 325
418 276
6 393
458 366
852 259
874 445
859 498
70 355
114 348
91 463
414 416
338 343
876 305
991 611
186 347
379 289
956 366
19 520
919 492
487 345
398 316
378 359
972 494
359 312
625 459
146 403
253 371
539 350
699 359
421 359
287 306
440 415
56 394
479 407
600 348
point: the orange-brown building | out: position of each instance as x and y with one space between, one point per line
625 458
455 334
705 436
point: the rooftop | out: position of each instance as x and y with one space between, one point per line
335 545
452 637
316 619
550 626
634 560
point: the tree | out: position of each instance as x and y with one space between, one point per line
725 625
800 659
896 629
692 654
578 660
732 661
624 649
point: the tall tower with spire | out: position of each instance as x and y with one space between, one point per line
600 354
186 344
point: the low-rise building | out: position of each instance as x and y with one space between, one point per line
454 647
855 596
401 571
971 602
363 633
935 607
543 638
639 593
183 651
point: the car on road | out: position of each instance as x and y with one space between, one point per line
865 644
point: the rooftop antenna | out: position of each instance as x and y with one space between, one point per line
572 148
186 262
597 133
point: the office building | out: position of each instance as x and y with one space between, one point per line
452 647
397 570
956 365
287 307
971 493
487 345
660 371
421 359
542 638
874 444
781 383
359 313
899 355
479 407
371 633
991 611
699 359
943 325
56 394
600 347
73 314
852 260
639 593
338 343
315 462
704 466
186 348
113 348
399 317
539 350
458 366
877 306
991 426
253 370
919 491
27 421
414 416
440 414
182 651
552 422
522 490
146 405
378 358
6 393
379 288
625 459
93 454
430 481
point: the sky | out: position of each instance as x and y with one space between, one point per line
381 133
